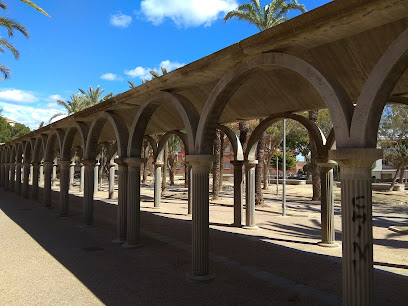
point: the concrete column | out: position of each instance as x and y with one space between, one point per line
122 201
327 203
357 229
82 178
111 180
54 172
48 166
133 203
89 173
64 167
2 167
41 182
96 175
7 177
71 174
18 179
12 176
157 183
31 175
250 194
26 178
238 192
34 188
200 235
189 190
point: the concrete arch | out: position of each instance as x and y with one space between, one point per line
40 145
119 127
163 141
56 135
335 97
376 91
28 150
153 144
82 129
331 139
184 107
314 130
12 154
19 152
234 140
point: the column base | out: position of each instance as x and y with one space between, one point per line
118 241
131 246
200 278
155 207
250 227
240 225
328 244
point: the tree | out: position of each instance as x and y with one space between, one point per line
173 143
18 130
131 84
398 157
290 161
5 129
11 27
93 96
76 104
263 18
393 127
41 125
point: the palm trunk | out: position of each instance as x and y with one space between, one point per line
259 200
313 164
267 164
401 178
216 165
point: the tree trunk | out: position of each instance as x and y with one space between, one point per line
171 169
394 180
216 165
401 178
266 165
313 164
185 174
222 135
145 161
259 200
164 168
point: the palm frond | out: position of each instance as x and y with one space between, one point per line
131 84
3 6
35 6
55 116
12 25
8 45
154 74
5 71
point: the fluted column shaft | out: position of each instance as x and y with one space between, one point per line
111 180
327 203
41 182
82 178
34 188
189 190
12 176
250 193
238 192
96 175
157 183
200 236
357 230
18 178
7 177
26 178
31 175
54 172
89 173
71 174
64 167
2 168
122 200
48 166
133 202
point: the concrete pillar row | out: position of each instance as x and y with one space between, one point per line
238 192
54 172
133 203
157 183
71 174
357 228
48 168
26 178
82 178
200 232
34 188
18 179
31 175
12 176
189 190
2 167
327 203
250 194
95 176
7 176
89 173
121 224
64 167
111 180
41 179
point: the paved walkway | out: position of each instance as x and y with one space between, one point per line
49 260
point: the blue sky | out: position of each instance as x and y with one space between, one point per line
89 43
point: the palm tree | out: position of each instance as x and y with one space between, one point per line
11 27
93 96
131 84
263 18
76 104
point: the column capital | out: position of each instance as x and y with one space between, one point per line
64 163
36 164
48 164
200 160
238 163
120 161
325 163
250 163
158 164
89 163
26 165
134 161
356 157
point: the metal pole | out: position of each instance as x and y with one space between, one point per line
277 174
284 170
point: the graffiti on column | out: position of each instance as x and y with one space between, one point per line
359 217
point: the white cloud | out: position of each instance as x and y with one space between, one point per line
111 77
120 20
188 13
144 73
17 96
54 98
